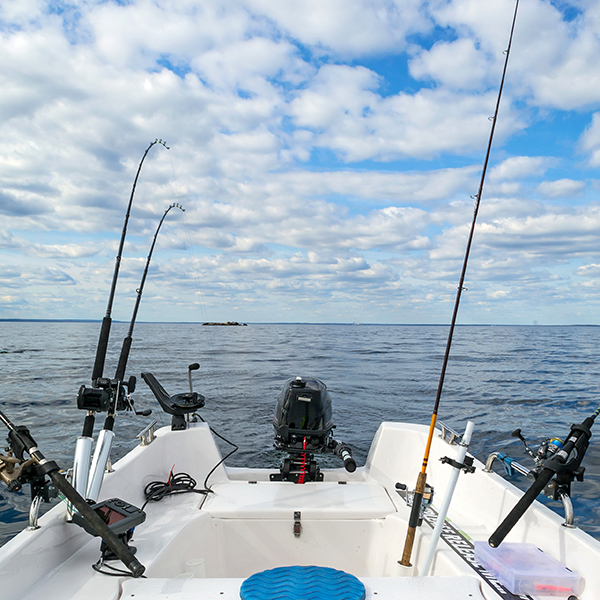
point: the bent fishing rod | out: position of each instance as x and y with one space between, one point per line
96 398
415 514
106 321
119 399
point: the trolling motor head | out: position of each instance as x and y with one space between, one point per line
303 424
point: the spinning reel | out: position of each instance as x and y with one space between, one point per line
303 427
560 484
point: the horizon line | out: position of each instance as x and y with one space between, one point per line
355 324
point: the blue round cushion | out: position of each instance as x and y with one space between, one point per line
308 583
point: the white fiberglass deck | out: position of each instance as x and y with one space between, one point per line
355 522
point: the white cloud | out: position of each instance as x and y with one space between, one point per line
591 270
590 140
561 188
354 121
346 27
520 167
280 117
456 64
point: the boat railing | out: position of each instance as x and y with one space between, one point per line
511 466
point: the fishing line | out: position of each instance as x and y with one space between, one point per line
422 477
188 241
208 331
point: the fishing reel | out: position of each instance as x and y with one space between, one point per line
107 395
16 471
551 457
409 496
303 427
560 484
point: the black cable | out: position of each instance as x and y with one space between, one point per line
235 449
180 483
117 572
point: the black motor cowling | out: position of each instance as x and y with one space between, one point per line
303 416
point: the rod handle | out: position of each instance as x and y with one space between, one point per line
522 505
102 346
413 521
112 541
123 358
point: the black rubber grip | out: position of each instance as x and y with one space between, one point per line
123 358
112 541
415 513
102 346
350 465
88 426
522 505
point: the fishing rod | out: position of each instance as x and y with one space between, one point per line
95 398
20 441
564 465
119 399
107 321
415 514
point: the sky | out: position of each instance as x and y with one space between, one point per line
325 152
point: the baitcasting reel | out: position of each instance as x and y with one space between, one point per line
303 426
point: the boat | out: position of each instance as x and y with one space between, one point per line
299 531
299 521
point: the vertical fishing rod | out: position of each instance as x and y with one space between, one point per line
91 399
118 401
422 477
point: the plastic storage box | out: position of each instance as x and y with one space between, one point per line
525 569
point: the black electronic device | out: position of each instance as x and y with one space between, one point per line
120 516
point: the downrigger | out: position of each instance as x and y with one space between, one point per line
303 427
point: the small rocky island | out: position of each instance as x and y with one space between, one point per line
228 324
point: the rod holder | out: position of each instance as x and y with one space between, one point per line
99 462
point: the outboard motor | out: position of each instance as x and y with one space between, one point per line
303 424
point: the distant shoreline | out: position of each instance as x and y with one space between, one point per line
299 323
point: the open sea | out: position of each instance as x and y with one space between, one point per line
540 379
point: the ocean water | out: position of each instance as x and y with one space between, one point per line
540 379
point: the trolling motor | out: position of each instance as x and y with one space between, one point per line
303 427
561 467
